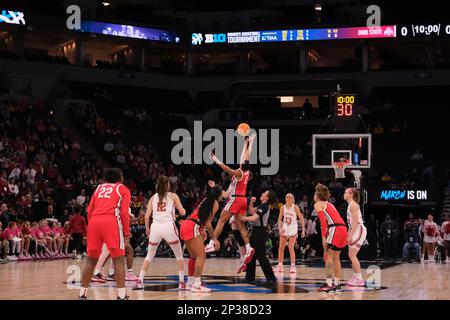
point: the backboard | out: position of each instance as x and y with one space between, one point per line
329 148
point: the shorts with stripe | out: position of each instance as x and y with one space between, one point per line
189 230
289 230
163 230
105 229
337 237
236 205
359 236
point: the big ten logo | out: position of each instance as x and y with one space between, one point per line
374 279
74 277
374 20
215 38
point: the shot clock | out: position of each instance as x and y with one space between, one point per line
345 105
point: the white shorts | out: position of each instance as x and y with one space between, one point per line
163 230
289 230
359 236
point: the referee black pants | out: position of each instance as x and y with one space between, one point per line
258 241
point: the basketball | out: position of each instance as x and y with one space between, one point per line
243 129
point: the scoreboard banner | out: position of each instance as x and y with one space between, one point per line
395 195
121 30
295 35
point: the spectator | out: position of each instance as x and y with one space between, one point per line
386 177
4 246
109 146
411 231
77 230
4 214
378 129
389 232
445 229
13 188
430 232
307 108
30 174
417 156
395 129
81 199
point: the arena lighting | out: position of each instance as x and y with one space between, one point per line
286 99
318 7
105 4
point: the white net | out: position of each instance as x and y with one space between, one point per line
339 169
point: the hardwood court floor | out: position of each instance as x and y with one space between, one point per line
47 280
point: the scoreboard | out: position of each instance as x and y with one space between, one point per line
345 106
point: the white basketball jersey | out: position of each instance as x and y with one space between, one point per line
163 211
349 217
289 215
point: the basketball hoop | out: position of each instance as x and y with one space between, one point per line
339 169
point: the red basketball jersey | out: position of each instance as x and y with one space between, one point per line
329 216
112 199
239 186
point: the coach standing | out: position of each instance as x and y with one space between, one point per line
259 217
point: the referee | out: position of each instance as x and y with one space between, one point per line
259 216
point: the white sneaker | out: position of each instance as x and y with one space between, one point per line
12 258
209 248
200 289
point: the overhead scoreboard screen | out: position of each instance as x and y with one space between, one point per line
345 105
122 30
295 35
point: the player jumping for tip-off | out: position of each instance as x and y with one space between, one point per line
237 201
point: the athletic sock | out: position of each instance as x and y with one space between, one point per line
83 291
358 276
122 293
329 282
337 281
181 275
191 266
247 247
197 281
111 272
142 275
190 280
130 270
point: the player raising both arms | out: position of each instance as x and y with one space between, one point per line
161 207
334 238
288 226
356 235
191 234
109 223
237 201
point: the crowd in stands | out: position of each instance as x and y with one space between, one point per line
46 180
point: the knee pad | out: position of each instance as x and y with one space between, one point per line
238 237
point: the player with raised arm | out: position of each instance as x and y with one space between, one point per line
109 223
237 201
161 207
288 226
191 234
334 238
356 235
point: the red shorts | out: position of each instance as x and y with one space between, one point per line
189 230
236 205
337 238
105 230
